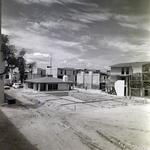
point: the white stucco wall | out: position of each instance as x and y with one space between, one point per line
117 70
96 79
54 71
86 79
80 78
137 69
63 87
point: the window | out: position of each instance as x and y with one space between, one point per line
122 70
7 76
127 70
50 87
61 72
65 72
55 86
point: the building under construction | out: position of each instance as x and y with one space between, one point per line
136 76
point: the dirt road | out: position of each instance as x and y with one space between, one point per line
89 122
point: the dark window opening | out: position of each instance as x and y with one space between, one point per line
122 70
52 87
7 76
146 92
55 86
125 91
127 70
60 77
43 87
65 72
61 72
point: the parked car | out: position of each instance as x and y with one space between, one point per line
17 85
6 87
8 84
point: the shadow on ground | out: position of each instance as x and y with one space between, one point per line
11 138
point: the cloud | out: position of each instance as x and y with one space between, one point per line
117 44
122 47
59 24
133 21
75 62
128 25
85 38
127 18
50 2
43 2
90 17
37 57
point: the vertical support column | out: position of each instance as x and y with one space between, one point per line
34 86
39 87
46 87
11 75
90 79
130 86
126 86
26 85
83 78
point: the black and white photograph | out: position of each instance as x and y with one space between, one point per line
75 75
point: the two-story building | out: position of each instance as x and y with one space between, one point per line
136 76
70 72
92 79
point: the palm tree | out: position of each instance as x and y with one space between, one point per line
31 66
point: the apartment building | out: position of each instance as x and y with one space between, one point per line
92 79
70 72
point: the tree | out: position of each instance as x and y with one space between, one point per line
8 53
21 63
31 66
1 67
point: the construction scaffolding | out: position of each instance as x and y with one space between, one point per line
146 83
140 84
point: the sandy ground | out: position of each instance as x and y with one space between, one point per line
84 120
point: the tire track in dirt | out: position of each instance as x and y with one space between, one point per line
88 141
114 141
84 138
92 145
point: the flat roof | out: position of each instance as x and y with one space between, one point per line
130 64
46 80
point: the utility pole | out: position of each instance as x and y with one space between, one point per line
50 64
1 65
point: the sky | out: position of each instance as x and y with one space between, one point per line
93 34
